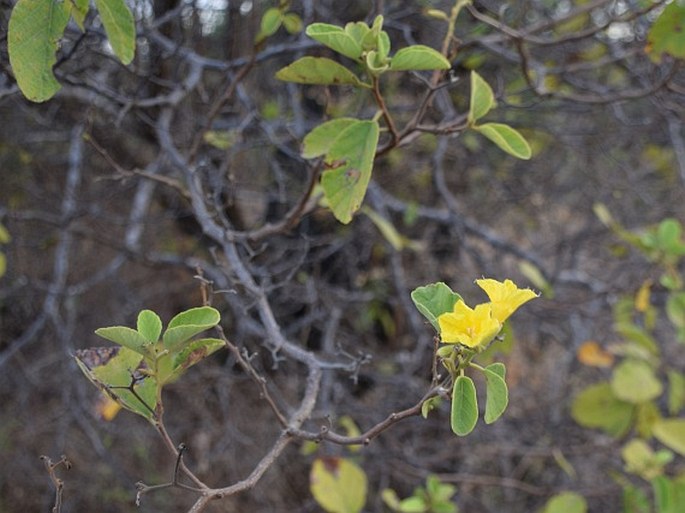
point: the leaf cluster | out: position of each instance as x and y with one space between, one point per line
145 359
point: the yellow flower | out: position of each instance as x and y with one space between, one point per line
471 327
505 297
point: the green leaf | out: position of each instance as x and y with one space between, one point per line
193 353
506 138
669 494
199 316
482 98
635 500
641 460
388 230
464 406
78 10
418 58
637 334
3 265
375 64
634 381
149 325
437 14
598 407
434 300
668 233
33 35
117 370
358 30
413 505
390 498
671 433
292 23
439 491
429 405
383 45
335 38
647 414
666 35
317 70
498 368
566 502
4 235
445 507
675 309
676 392
535 276
120 28
171 366
221 139
350 161
497 397
125 336
270 23
319 141
338 485
188 324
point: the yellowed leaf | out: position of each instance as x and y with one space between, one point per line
642 298
107 408
590 353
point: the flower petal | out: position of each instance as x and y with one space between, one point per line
506 297
470 327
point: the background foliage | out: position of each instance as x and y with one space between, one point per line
136 183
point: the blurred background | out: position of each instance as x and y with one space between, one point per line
100 228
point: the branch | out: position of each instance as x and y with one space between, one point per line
57 482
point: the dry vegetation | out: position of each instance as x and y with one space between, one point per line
90 195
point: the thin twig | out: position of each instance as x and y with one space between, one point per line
57 482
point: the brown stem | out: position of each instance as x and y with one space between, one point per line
384 109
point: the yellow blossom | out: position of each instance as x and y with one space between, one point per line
471 327
505 297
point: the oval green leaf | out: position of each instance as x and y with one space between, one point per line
125 336
566 502
497 397
413 504
671 433
675 309
338 485
464 413
482 98
358 30
33 35
335 38
350 161
319 141
634 381
120 28
292 23
317 70
598 407
149 325
270 23
507 139
666 35
193 353
187 324
418 58
434 300
199 316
